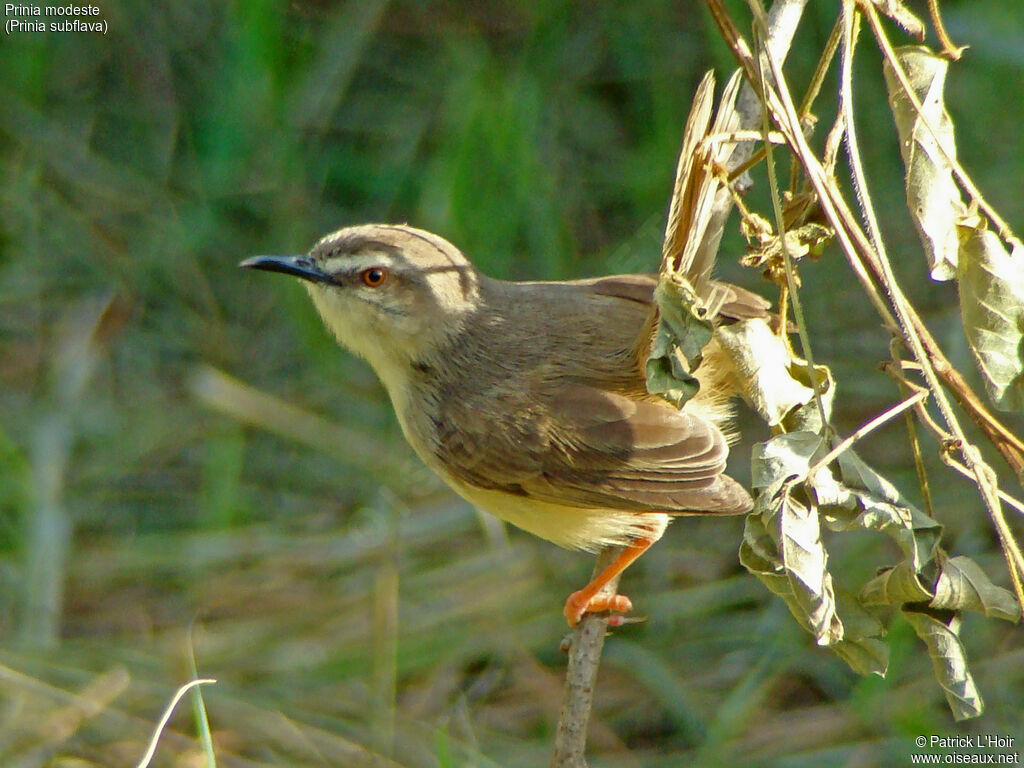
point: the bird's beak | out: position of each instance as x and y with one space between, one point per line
299 266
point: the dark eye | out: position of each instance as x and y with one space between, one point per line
374 276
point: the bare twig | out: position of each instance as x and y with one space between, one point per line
894 369
868 428
584 648
782 20
1007 499
948 47
792 294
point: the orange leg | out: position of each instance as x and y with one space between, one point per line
586 599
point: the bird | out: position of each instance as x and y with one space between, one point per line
529 398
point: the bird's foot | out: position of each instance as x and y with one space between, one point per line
584 601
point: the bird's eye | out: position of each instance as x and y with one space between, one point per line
374 276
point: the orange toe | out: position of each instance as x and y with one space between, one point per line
579 603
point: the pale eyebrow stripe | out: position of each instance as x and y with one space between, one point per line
357 262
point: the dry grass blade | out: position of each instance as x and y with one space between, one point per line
158 731
688 250
69 713
87 330
680 210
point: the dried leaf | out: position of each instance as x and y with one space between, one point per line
862 498
762 363
963 586
899 13
782 543
895 586
992 308
807 239
932 194
785 457
941 634
865 655
809 416
861 647
683 332
667 375
782 546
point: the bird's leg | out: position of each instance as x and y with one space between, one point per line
587 600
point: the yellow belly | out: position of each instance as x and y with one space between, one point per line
589 529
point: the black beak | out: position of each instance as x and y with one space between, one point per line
299 266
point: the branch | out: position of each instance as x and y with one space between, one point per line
584 648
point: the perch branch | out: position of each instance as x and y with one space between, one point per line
584 648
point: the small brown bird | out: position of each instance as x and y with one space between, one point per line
529 399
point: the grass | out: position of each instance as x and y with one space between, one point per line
181 444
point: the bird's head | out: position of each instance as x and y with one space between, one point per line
389 293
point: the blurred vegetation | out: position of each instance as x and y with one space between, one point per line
184 449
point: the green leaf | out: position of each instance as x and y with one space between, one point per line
992 308
941 634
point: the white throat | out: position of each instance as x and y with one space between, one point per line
358 332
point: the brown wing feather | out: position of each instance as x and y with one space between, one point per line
727 300
606 451
590 437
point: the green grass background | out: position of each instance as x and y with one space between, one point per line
186 456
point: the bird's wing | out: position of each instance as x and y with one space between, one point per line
725 300
587 447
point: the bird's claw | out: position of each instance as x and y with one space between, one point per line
580 603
